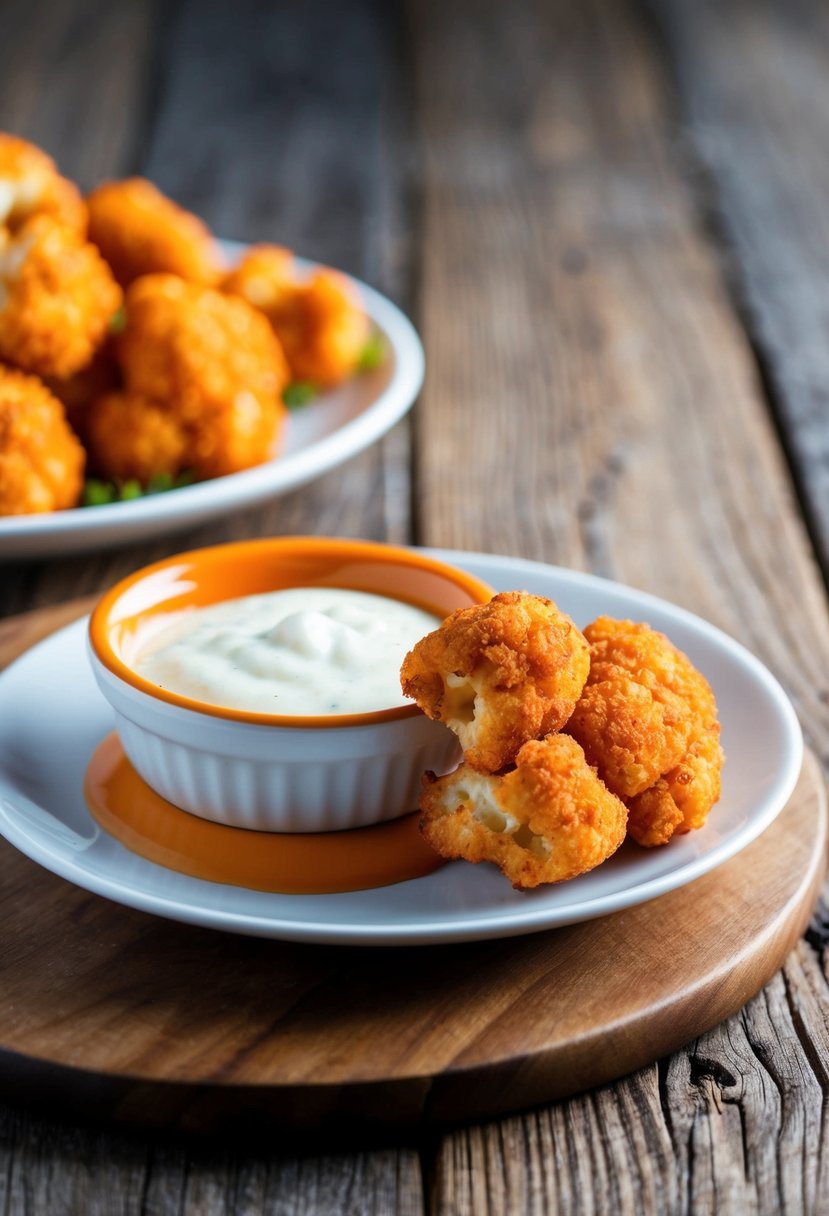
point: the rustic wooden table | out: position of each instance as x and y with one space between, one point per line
609 223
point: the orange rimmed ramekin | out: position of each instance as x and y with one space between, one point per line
269 772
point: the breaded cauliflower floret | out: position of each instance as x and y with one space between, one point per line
141 231
41 461
680 801
131 437
499 674
57 298
321 321
31 185
79 391
208 362
643 705
548 820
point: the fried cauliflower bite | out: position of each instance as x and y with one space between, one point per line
203 376
77 393
130 437
57 298
141 231
499 674
548 820
31 185
321 322
648 720
680 801
41 461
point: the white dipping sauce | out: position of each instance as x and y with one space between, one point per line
305 650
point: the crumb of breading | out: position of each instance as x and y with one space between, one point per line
548 820
499 674
57 298
41 460
141 231
31 185
320 319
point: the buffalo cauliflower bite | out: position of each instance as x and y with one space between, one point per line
648 720
141 231
41 461
680 801
130 437
79 391
499 674
31 185
203 377
548 820
320 322
57 298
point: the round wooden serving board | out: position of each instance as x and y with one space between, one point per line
124 1015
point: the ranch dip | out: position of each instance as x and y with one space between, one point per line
304 650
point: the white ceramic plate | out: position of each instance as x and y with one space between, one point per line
331 429
53 717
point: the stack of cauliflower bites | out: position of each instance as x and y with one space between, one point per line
128 351
570 740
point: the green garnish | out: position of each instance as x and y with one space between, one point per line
373 353
298 394
98 493
118 322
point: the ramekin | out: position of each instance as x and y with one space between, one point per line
268 772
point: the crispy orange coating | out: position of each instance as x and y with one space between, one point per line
31 185
266 277
320 322
141 231
548 820
643 705
57 298
41 461
131 437
211 364
77 392
499 674
680 801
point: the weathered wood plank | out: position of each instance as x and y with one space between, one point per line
754 108
586 356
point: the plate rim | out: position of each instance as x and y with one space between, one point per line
504 922
262 482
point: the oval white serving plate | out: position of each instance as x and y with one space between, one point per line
331 429
53 717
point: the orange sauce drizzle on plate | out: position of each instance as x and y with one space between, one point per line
318 863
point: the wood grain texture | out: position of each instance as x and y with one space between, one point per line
585 354
754 109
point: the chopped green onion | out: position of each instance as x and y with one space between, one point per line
373 353
118 322
130 489
298 394
97 493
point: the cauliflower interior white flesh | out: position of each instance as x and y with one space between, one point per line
458 709
20 195
12 256
479 794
